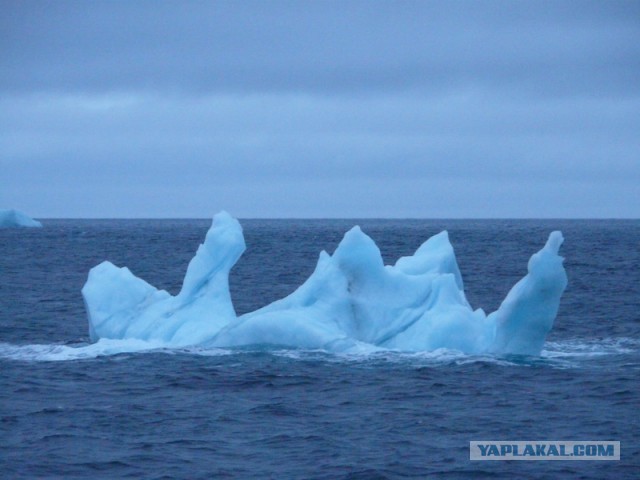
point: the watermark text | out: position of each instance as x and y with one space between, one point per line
544 450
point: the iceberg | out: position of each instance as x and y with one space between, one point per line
14 218
120 305
352 301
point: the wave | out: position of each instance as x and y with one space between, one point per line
560 354
57 352
591 347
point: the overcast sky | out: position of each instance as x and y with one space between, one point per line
320 109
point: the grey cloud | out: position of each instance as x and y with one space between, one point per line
544 48
297 137
305 108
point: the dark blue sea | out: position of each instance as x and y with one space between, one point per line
68 412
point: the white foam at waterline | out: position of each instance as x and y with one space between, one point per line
439 357
566 354
591 348
203 351
56 353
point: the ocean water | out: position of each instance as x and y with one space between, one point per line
73 411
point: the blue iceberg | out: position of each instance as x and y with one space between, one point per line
352 301
15 219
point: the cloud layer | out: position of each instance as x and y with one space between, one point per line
324 109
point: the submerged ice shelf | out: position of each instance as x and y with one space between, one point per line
351 301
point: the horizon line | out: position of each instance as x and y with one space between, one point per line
338 218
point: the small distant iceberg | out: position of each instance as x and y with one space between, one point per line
16 219
351 302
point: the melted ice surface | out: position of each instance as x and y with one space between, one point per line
351 302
